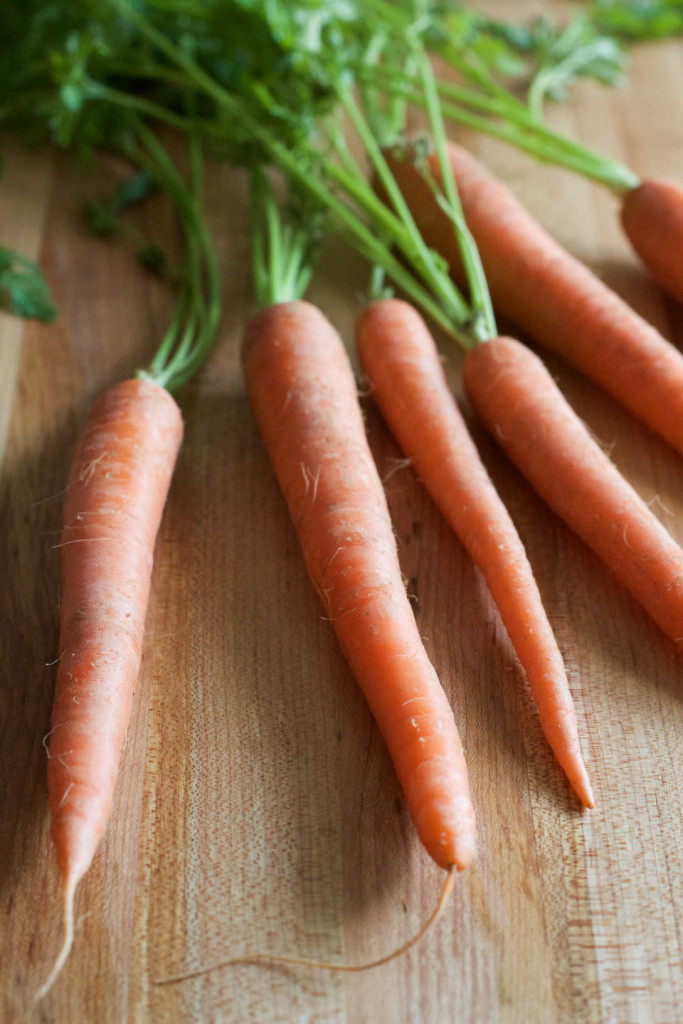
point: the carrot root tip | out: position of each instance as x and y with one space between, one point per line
67 944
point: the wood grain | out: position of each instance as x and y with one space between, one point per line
257 808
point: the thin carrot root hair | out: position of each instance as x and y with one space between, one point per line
67 944
274 959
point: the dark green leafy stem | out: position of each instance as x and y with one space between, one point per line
23 289
307 170
190 336
53 70
104 219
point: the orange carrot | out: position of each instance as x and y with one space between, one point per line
303 394
521 405
115 497
551 295
652 217
402 364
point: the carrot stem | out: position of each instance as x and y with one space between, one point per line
444 289
538 140
347 222
483 320
179 358
282 254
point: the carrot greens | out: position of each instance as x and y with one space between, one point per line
23 289
636 20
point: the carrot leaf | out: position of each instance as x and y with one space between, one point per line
636 20
23 289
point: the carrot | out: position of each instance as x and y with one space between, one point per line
551 295
115 497
517 399
303 394
652 217
402 364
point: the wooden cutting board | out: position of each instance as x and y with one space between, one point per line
256 807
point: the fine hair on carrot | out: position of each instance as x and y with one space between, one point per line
402 364
114 501
303 394
550 294
518 400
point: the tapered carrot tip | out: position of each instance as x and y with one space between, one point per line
449 832
561 731
652 217
585 791
582 785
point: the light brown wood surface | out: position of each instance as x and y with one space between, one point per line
256 806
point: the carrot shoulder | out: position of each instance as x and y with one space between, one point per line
303 394
402 364
551 295
115 496
521 405
652 217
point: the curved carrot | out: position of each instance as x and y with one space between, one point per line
402 364
515 396
652 217
303 394
551 295
115 497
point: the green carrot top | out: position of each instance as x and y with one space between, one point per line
264 83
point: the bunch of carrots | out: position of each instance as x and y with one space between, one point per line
457 245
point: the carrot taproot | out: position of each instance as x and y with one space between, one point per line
114 500
401 361
514 394
652 217
273 959
550 294
303 394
